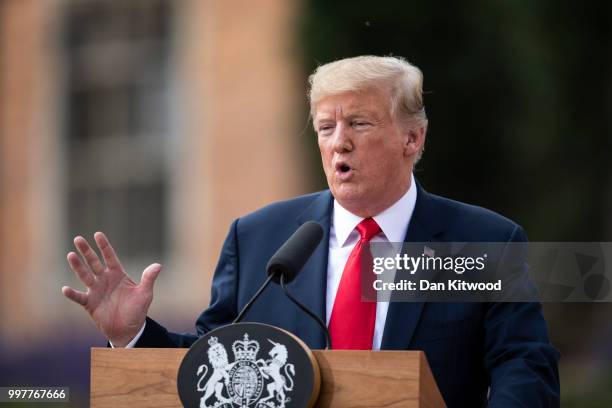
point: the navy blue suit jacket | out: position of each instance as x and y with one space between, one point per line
470 346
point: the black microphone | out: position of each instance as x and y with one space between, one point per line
287 262
291 257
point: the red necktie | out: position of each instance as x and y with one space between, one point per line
352 321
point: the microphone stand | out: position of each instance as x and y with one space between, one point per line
292 298
255 296
307 311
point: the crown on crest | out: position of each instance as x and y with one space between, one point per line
212 341
245 349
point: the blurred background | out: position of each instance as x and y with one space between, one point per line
160 121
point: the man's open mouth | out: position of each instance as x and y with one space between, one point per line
343 170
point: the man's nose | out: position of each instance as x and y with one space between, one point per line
342 141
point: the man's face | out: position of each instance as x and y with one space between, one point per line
367 157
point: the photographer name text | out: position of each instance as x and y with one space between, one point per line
426 285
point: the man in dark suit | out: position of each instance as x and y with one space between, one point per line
370 121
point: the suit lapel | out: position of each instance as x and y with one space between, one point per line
403 317
311 284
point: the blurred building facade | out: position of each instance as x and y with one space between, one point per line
156 121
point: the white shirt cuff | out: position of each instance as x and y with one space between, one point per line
132 343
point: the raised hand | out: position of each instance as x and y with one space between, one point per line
117 304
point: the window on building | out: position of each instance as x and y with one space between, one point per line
116 93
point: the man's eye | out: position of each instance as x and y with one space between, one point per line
326 129
361 125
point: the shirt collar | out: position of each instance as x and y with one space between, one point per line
393 221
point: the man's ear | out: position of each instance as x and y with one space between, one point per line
414 139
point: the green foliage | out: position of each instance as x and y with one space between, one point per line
519 97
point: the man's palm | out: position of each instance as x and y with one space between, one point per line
117 305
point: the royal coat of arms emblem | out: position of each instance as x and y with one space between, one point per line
247 381
248 365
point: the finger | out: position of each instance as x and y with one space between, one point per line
89 255
108 253
81 271
75 295
149 275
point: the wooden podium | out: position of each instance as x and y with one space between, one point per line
147 378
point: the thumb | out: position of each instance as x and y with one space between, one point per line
149 275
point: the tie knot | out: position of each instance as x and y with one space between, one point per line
368 228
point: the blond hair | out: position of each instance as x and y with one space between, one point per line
404 80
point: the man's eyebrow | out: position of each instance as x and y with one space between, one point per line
323 118
362 113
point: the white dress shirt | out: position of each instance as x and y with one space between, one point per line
343 237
